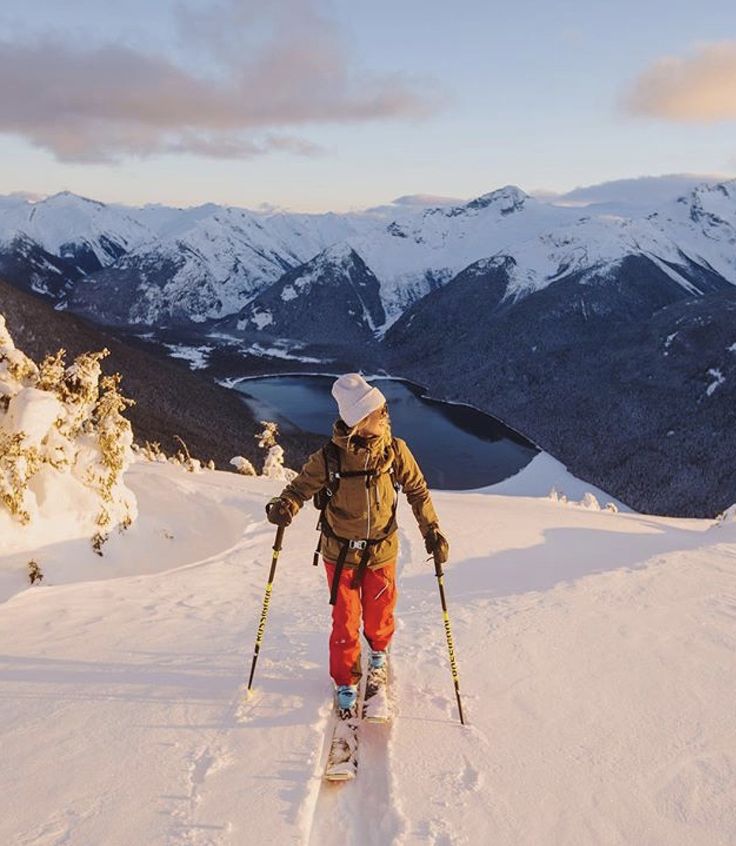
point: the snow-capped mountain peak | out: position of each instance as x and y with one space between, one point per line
87 233
714 204
69 199
506 200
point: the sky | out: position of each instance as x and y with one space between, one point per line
316 105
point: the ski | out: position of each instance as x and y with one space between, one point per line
342 759
373 707
376 705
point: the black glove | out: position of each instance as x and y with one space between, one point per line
436 544
278 512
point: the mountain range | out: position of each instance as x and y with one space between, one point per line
171 266
604 334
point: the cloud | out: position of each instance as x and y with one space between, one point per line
642 192
431 200
255 73
641 189
700 88
27 196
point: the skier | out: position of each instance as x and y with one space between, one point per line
359 540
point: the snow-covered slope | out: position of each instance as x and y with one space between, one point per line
333 296
416 253
86 233
205 263
209 262
595 650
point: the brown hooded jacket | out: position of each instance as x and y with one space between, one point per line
357 511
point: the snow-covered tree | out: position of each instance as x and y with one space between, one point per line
64 443
727 516
273 465
590 502
243 466
151 451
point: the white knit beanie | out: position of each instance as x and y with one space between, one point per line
355 398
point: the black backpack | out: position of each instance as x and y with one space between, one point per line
333 474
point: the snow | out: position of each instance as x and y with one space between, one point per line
65 218
674 275
595 651
718 379
261 319
261 351
242 465
729 515
198 357
224 256
273 466
63 453
289 293
545 473
32 412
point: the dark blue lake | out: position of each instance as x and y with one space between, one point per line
457 447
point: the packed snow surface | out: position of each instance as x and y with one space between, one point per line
596 654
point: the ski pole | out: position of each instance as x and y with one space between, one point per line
448 633
266 603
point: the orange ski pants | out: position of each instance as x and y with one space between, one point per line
375 599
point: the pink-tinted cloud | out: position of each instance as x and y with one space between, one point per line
272 68
700 88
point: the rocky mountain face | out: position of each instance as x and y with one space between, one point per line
335 295
31 268
603 334
627 378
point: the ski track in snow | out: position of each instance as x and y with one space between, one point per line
363 812
433 751
186 830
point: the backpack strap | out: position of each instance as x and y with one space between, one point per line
331 456
339 565
345 545
357 580
392 470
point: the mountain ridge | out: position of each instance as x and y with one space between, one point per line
209 262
